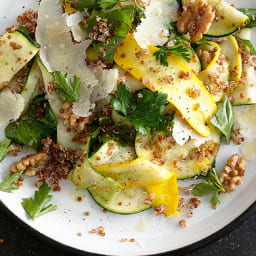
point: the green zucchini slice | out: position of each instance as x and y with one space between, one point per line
16 51
112 153
32 84
85 176
48 78
128 201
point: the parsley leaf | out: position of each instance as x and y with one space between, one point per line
4 149
163 52
224 119
7 184
123 100
148 112
211 185
248 43
37 123
38 207
64 87
121 20
109 3
144 109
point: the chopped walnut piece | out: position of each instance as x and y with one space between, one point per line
26 163
73 121
196 18
232 173
205 57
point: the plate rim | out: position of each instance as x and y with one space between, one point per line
229 227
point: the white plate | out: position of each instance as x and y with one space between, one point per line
160 234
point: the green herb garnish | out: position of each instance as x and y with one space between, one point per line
144 109
7 184
37 123
38 207
212 185
224 119
65 88
4 149
163 52
121 20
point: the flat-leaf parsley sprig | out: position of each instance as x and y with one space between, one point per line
163 52
7 185
65 87
38 207
143 109
212 185
4 148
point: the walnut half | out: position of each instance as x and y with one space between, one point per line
29 163
73 121
233 172
196 18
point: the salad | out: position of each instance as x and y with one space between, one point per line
126 98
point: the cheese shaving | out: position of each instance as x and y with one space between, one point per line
72 22
182 132
11 106
154 27
59 53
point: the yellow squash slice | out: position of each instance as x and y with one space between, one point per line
139 172
230 50
216 74
176 80
166 196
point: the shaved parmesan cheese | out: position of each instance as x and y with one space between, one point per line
107 82
182 132
72 22
11 106
247 122
154 28
59 53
